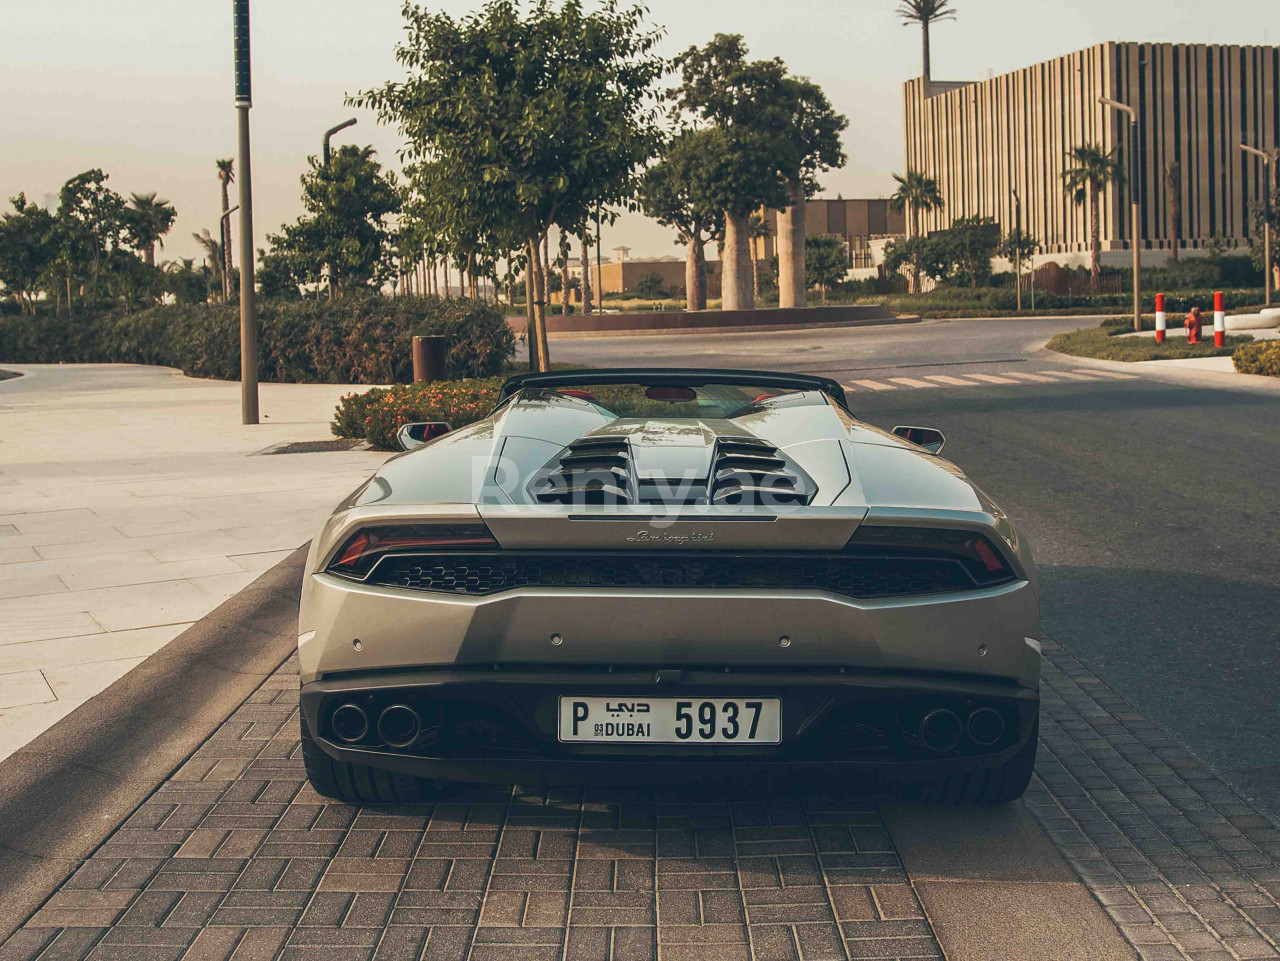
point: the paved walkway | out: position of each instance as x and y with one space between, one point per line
1126 847
132 503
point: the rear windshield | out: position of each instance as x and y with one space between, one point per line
707 401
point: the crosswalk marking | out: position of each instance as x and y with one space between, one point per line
1032 377
991 378
1015 378
1107 373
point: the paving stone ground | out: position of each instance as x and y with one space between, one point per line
236 857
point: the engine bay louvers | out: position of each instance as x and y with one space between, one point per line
748 470
594 470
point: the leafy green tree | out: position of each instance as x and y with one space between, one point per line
1093 169
275 276
345 228
214 261
28 249
917 193
814 146
187 283
751 107
826 264
966 249
531 118
926 13
676 192
91 224
226 177
925 257
147 220
650 285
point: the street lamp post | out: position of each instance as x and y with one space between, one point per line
248 319
331 131
1268 275
1017 245
1135 194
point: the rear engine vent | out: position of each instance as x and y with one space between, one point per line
748 470
595 470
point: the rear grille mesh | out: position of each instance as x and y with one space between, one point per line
848 575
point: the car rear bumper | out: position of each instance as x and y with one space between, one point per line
499 725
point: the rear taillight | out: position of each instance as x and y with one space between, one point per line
367 546
979 556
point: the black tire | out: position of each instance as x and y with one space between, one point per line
997 785
357 783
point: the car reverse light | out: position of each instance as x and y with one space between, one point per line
367 546
979 557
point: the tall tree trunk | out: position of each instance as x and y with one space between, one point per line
151 254
792 226
928 67
228 264
531 320
540 306
695 272
586 274
1095 242
735 284
1173 189
565 293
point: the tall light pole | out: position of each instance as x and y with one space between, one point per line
248 320
331 131
1135 194
1017 245
1268 275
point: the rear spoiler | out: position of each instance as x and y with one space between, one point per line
674 377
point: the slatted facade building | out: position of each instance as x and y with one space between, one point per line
1196 104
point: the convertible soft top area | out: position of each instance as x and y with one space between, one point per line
675 377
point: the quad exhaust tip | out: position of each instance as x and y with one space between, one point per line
941 730
350 723
399 725
985 726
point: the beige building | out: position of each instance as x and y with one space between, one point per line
856 222
1196 104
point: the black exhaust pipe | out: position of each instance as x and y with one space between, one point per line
399 725
986 726
350 723
941 730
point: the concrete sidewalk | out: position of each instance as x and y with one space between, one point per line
132 503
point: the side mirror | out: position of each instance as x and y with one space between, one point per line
926 437
413 436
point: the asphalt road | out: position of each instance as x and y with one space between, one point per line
1152 506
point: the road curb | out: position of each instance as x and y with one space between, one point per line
756 329
1190 376
67 791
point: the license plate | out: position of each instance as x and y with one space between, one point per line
671 720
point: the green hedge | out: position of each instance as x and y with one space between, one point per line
1261 357
1106 343
351 341
1002 301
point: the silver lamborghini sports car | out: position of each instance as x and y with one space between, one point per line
649 575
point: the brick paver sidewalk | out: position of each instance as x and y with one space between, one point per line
236 857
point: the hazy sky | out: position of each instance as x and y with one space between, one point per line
142 88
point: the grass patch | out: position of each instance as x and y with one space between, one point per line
1105 343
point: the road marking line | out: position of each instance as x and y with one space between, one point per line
1107 373
909 382
1070 375
1033 377
874 385
991 378
947 379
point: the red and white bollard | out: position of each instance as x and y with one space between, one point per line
1219 318
1161 318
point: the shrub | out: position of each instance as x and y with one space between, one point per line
1262 357
1106 343
363 340
377 414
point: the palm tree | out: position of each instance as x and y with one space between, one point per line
1094 169
226 176
757 229
149 220
213 257
917 193
1173 190
925 13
